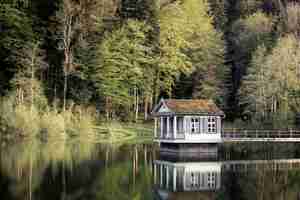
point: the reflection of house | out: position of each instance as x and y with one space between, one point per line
187 121
173 179
181 179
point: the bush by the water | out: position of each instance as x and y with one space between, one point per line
28 121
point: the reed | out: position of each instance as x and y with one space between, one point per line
28 121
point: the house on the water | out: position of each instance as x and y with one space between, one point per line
187 122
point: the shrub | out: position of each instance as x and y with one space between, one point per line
53 124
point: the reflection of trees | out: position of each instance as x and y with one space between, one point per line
262 183
126 178
25 165
75 169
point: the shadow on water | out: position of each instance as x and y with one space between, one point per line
80 169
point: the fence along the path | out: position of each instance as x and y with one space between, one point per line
289 135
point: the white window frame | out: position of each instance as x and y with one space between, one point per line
211 180
212 125
195 125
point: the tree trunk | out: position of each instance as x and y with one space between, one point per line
65 90
151 103
156 87
146 104
30 176
32 79
136 104
107 108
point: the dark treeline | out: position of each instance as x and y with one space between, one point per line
122 56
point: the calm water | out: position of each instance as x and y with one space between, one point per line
83 170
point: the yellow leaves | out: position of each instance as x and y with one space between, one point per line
259 22
284 62
274 75
293 17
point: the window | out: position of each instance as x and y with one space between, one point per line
202 180
212 125
195 125
211 181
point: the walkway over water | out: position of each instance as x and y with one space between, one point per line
235 135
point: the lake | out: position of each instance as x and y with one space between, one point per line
81 169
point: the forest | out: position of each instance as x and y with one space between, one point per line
117 58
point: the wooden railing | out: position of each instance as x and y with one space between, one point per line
260 135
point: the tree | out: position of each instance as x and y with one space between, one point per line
244 38
217 9
272 85
122 65
293 19
174 31
68 32
26 83
191 45
76 21
16 33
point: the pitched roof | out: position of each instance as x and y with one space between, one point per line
190 106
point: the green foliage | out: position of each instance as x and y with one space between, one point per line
16 35
201 44
217 9
26 120
273 79
20 121
124 55
174 32
123 62
250 32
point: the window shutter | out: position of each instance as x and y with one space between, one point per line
188 124
201 125
219 125
205 125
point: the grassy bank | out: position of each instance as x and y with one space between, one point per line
126 132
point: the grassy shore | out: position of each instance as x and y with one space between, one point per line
115 132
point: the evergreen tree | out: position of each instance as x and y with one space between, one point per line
16 34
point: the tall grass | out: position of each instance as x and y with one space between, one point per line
27 121
53 124
49 123
20 120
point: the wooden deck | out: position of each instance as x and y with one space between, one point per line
235 135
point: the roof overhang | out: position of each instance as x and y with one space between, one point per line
167 111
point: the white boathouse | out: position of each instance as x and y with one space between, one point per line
187 121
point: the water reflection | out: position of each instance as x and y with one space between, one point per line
194 176
210 176
81 169
30 164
